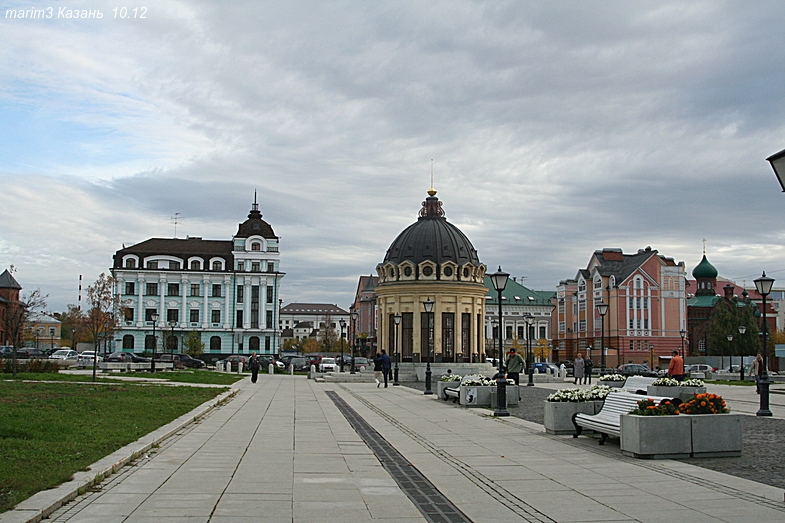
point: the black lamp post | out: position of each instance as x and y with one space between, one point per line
722 356
529 319
397 320
682 333
172 341
742 330
495 324
763 285
428 305
154 317
602 308
343 339
355 314
499 279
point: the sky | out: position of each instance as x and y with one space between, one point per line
553 129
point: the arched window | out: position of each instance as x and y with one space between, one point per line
253 344
195 265
130 263
638 283
216 266
149 342
215 344
256 246
128 342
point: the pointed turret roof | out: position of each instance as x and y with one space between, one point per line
7 281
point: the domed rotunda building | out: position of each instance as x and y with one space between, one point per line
432 261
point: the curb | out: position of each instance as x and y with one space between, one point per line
42 504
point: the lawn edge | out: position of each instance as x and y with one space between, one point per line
42 504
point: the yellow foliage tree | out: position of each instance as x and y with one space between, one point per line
541 350
310 345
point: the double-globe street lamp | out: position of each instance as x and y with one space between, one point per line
343 339
529 319
428 305
763 285
602 309
499 279
397 320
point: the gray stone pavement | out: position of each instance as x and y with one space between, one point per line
281 450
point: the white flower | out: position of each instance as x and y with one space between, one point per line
692 383
612 377
666 382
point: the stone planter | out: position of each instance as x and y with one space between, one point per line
715 435
473 396
683 393
656 437
614 384
558 414
441 385
512 396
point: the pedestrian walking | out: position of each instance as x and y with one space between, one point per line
515 365
587 367
253 364
676 367
756 369
377 369
386 367
577 370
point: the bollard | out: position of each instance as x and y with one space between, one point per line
313 369
291 370
271 369
239 367
219 366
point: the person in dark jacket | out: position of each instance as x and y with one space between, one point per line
253 364
587 367
377 370
386 367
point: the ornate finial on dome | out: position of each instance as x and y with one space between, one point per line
432 191
704 246
255 212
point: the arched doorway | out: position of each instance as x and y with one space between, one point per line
215 344
253 344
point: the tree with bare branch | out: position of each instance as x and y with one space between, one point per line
100 320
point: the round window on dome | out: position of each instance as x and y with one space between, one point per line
465 272
448 271
427 271
407 271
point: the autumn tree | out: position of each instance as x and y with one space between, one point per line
725 321
310 344
72 326
194 346
18 316
100 320
291 345
327 336
541 350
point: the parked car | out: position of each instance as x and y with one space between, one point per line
328 365
544 368
636 369
300 364
29 353
361 363
699 367
314 359
126 357
182 361
286 360
63 354
6 351
88 357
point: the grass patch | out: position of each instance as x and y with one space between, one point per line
49 431
53 376
206 377
744 383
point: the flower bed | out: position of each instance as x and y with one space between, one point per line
612 380
562 404
669 387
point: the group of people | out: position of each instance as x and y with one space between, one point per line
581 369
382 367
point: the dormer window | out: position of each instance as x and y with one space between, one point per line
130 263
256 246
216 266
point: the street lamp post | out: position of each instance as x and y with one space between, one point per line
529 319
343 339
355 314
428 305
495 325
172 341
763 285
154 317
722 356
602 308
682 333
499 279
397 320
742 330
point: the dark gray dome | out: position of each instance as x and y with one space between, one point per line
432 238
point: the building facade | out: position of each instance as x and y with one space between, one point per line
646 298
363 330
227 291
432 262
9 298
297 316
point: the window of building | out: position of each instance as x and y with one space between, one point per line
267 344
508 332
632 323
152 265
561 306
173 289
581 286
645 323
270 295
241 266
130 287
216 266
448 336
215 316
269 318
216 290
561 326
575 308
240 290
215 344
151 289
174 266
194 289
521 330
195 265
582 305
239 320
254 307
638 283
256 267
128 314
194 316
646 303
598 283
128 342
148 314
256 246
130 263
542 332
270 267
172 315
582 325
632 344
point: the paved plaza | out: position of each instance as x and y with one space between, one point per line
290 449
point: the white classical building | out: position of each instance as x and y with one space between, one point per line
225 290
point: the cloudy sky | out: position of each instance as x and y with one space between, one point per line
555 129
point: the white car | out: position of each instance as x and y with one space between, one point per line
88 357
328 365
64 354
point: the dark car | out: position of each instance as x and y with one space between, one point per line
544 368
126 357
6 351
28 353
182 361
300 364
636 369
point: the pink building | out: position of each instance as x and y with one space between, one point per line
645 294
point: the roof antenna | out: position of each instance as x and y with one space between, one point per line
432 190
175 221
255 205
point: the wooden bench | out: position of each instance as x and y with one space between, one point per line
637 384
607 421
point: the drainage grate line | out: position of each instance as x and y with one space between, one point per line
431 503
